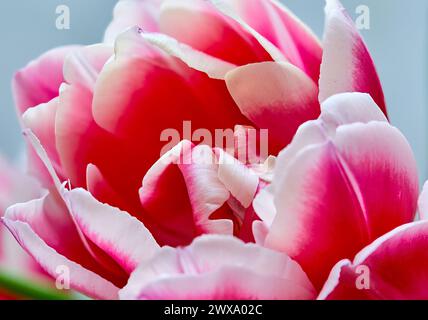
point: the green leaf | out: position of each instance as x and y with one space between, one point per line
26 288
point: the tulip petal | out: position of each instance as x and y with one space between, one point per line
54 204
199 25
130 13
241 181
79 137
118 234
354 183
49 220
275 96
394 267
283 29
54 263
40 80
213 67
41 121
83 66
218 267
346 64
198 195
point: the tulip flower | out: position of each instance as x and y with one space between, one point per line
95 117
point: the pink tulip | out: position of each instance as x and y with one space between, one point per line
94 116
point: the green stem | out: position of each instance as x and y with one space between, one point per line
25 288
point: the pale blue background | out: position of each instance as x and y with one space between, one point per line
397 40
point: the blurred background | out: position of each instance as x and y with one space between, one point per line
397 40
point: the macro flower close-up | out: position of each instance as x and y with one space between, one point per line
213 150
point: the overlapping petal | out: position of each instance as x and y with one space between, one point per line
275 96
40 80
343 177
73 228
394 267
203 181
283 29
347 65
219 267
129 13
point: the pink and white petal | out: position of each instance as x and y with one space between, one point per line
40 80
264 205
219 267
199 201
272 94
81 279
200 25
118 234
84 65
206 191
130 13
384 168
346 64
325 193
347 108
50 217
41 121
260 232
283 29
79 137
74 125
168 214
215 68
241 181
395 268
228 10
314 209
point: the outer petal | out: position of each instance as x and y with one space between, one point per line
39 82
198 24
41 121
219 268
118 234
81 279
58 214
347 65
213 67
79 137
130 13
355 183
394 267
283 29
275 96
